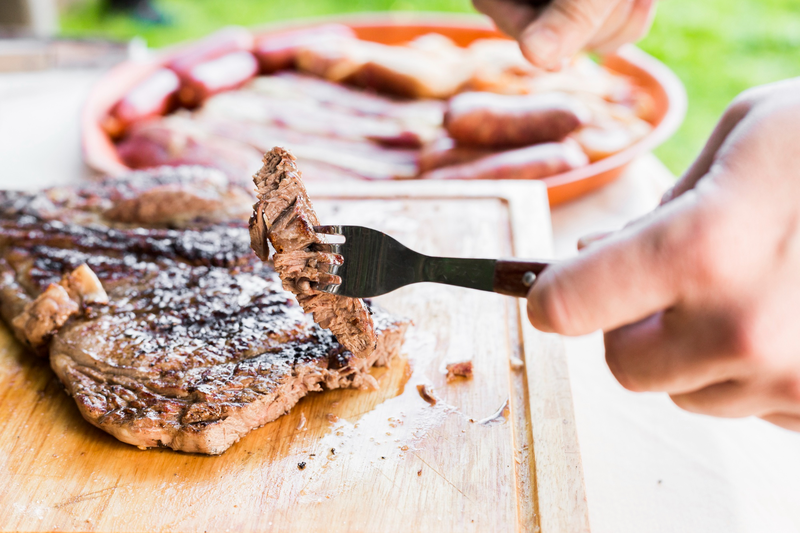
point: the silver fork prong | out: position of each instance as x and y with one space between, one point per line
332 288
328 268
330 248
328 230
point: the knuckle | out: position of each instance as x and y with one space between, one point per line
791 390
745 342
673 242
709 266
698 241
742 342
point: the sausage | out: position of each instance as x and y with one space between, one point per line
532 162
223 42
278 51
445 152
152 97
216 75
495 121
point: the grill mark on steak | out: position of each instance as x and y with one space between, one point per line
285 216
197 345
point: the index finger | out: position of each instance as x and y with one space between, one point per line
622 279
562 29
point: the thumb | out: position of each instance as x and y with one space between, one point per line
622 278
562 29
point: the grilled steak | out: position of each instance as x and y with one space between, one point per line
285 216
162 324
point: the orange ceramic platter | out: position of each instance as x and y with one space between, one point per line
657 80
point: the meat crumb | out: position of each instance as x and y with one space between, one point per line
426 392
461 369
302 423
515 362
419 472
43 316
332 418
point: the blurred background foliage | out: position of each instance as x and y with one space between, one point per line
717 47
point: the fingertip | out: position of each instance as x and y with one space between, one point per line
541 45
561 30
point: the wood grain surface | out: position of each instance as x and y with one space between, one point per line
497 452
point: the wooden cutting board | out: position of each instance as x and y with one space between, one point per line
496 453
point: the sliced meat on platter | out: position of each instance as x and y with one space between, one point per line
355 109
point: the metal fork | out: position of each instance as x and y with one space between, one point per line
374 263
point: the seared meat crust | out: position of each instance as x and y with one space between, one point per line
197 344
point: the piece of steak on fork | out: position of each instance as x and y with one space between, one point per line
285 216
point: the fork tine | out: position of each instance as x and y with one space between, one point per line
329 279
328 230
332 288
373 263
328 268
329 248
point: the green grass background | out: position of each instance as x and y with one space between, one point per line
717 47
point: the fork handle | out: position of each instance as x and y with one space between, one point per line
515 278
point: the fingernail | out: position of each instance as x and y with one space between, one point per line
544 45
536 314
668 196
586 240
